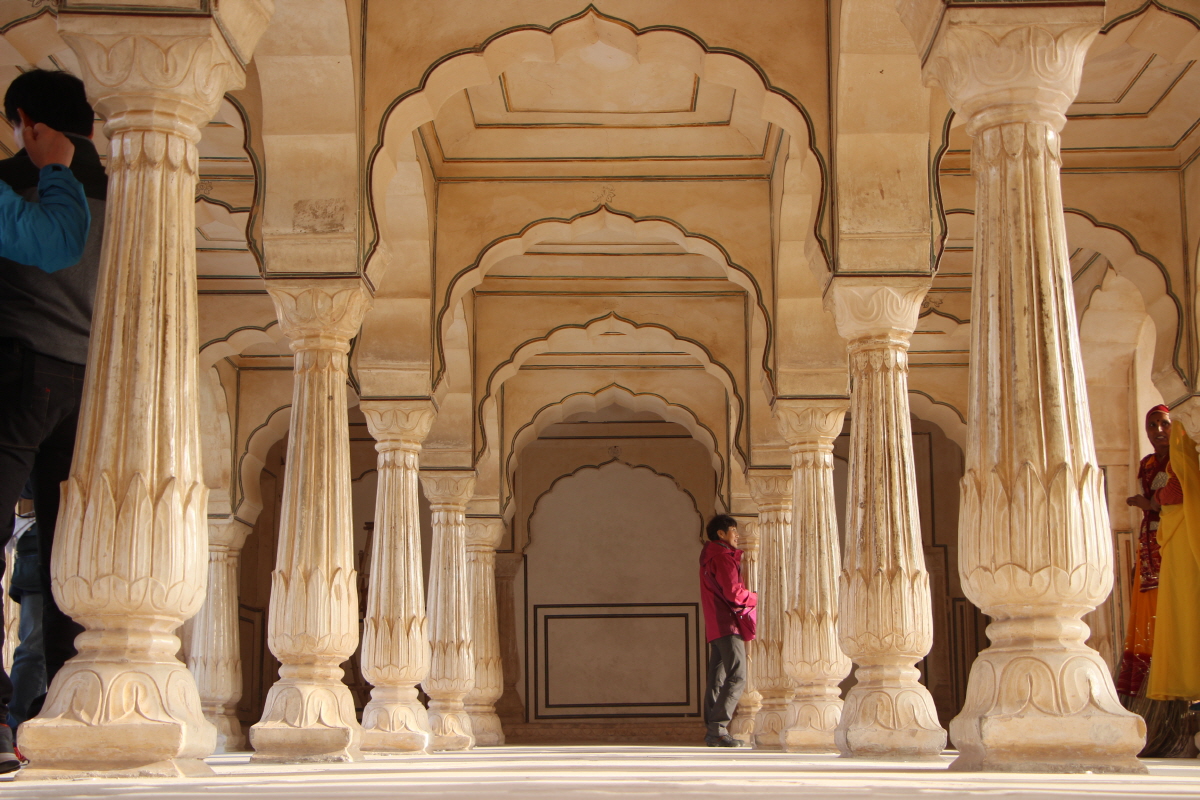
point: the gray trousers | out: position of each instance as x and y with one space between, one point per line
726 680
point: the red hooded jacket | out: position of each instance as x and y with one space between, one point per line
730 596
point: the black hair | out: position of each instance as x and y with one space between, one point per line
54 98
721 522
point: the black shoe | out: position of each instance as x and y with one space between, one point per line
724 740
9 760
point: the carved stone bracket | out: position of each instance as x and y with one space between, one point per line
885 616
1034 540
395 649
452 675
812 657
772 493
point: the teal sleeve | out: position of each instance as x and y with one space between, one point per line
50 234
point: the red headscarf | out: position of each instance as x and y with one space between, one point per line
1158 409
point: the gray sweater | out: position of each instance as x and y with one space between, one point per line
51 312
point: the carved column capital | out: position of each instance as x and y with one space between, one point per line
448 487
161 73
227 532
320 314
810 421
770 488
485 533
1000 65
398 423
872 308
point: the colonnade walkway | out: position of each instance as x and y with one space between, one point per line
620 771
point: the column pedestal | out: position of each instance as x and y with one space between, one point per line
313 625
395 652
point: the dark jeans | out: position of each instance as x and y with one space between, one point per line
39 410
726 680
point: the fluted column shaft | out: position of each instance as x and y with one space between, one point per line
313 623
772 493
130 562
509 707
1035 552
214 655
812 657
885 618
741 727
483 537
452 673
395 648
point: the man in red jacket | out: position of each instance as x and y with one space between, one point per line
727 604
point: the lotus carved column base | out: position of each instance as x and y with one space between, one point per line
888 714
812 720
309 718
395 721
230 738
1044 708
771 720
485 724
104 719
450 725
741 727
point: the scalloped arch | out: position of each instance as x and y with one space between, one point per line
252 460
601 218
612 394
391 172
611 322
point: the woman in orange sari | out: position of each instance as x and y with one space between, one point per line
1167 725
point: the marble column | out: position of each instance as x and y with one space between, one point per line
395 648
1034 541
885 618
484 535
313 623
772 493
812 657
509 707
130 560
214 654
741 727
452 672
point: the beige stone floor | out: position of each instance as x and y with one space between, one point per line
618 771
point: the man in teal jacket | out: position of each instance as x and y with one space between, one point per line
41 246
51 233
